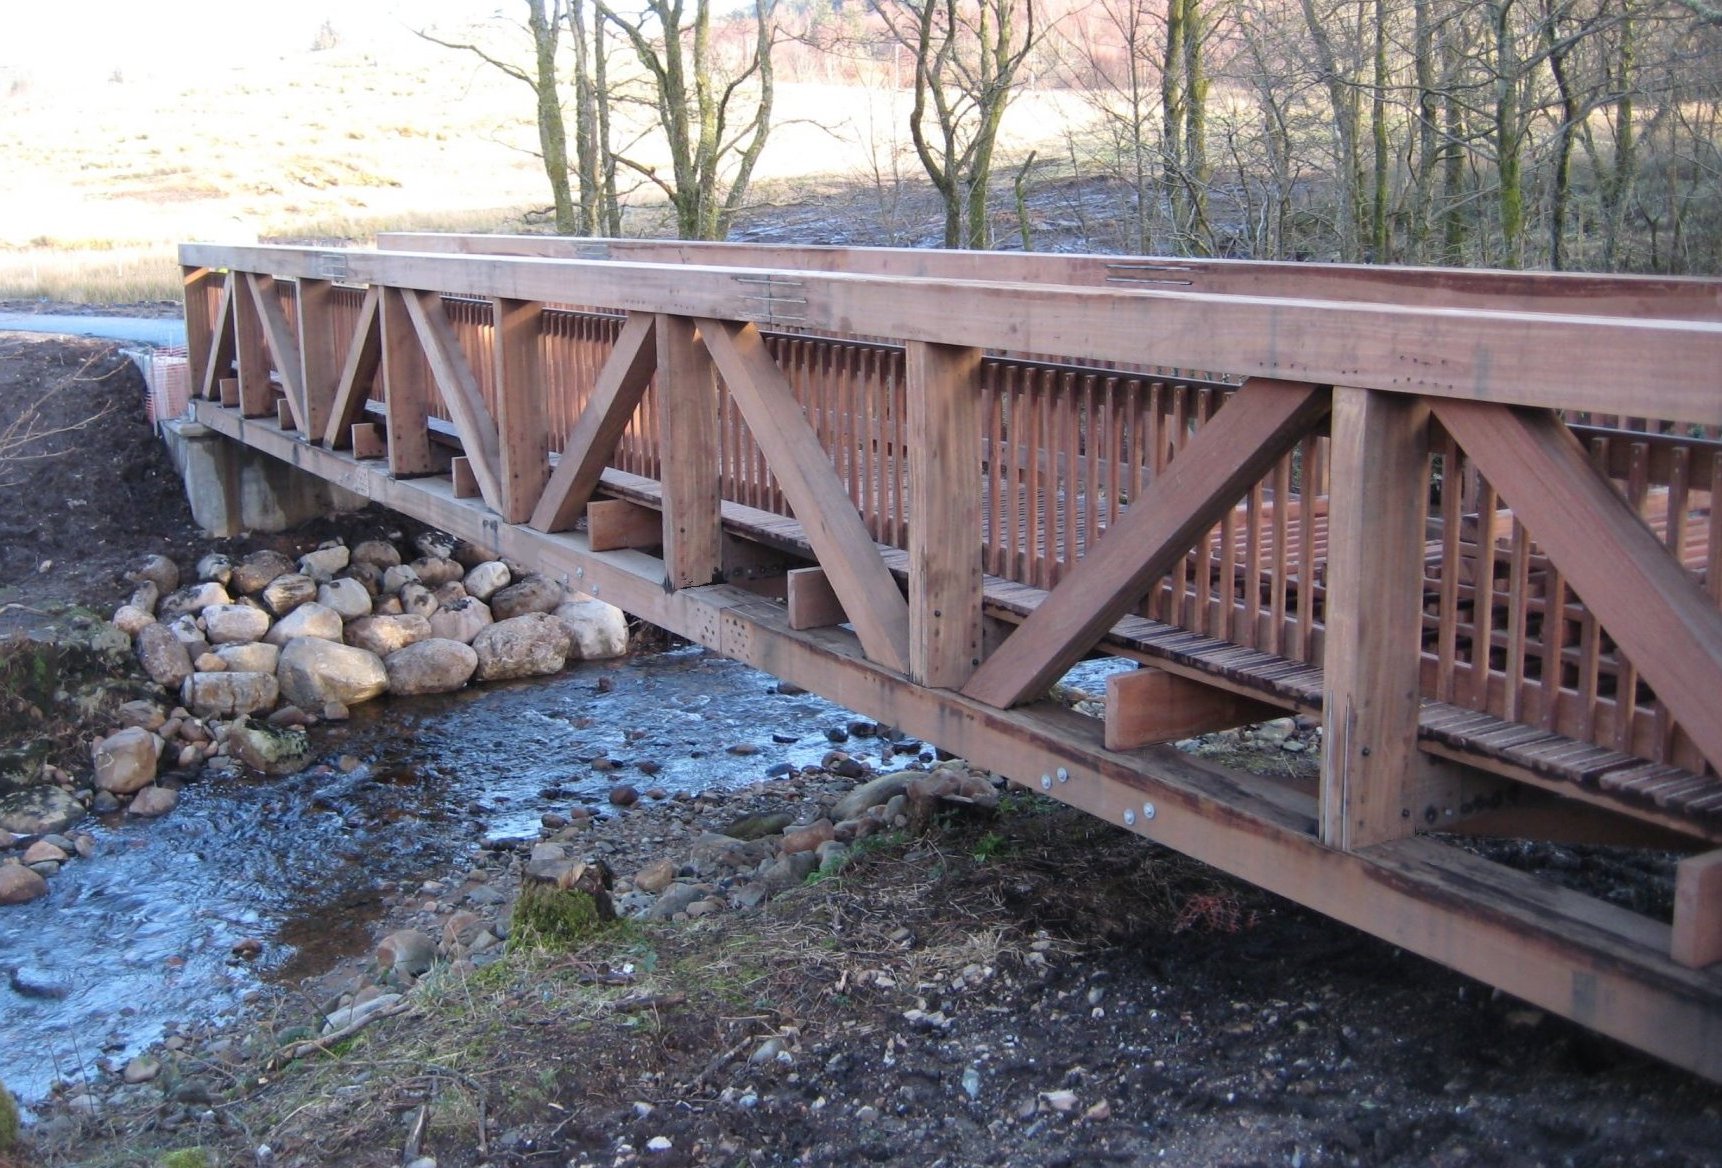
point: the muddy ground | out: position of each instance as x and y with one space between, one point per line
1020 987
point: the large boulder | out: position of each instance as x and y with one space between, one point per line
347 596
484 580
460 621
533 645
383 635
272 750
225 694
597 630
256 657
285 593
259 570
231 624
39 811
322 564
192 600
126 760
533 594
163 657
315 672
308 620
434 666
376 552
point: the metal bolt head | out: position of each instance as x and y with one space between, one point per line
1063 775
1046 782
1129 818
1148 811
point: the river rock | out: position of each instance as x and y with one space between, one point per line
869 794
809 838
19 885
230 692
654 878
533 645
409 950
215 566
269 749
322 564
434 570
126 760
416 598
483 580
160 571
163 657
378 553
368 575
192 600
437 544
346 596
130 619
383 635
35 981
146 596
460 621
230 624
398 577
451 593
190 634
42 851
314 671
39 811
153 801
285 593
438 665
139 712
309 620
356 1013
209 663
597 630
533 594
257 657
259 570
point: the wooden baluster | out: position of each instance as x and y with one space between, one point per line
406 390
517 372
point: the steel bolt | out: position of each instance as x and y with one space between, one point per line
1129 818
1046 782
1063 775
1148 811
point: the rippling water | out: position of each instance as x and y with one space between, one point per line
141 932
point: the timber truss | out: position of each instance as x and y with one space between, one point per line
1468 520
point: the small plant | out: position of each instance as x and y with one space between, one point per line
546 917
187 1158
8 1120
990 847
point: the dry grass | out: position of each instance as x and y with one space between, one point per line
117 275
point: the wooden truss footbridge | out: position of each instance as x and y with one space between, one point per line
1469 520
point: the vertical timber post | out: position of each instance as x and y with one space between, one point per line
319 359
198 329
255 400
688 441
945 513
1374 615
406 390
522 426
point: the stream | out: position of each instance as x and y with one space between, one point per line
140 934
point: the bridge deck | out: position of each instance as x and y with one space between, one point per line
924 485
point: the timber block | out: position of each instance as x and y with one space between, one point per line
1697 939
813 604
616 524
368 440
228 388
284 415
465 482
1147 706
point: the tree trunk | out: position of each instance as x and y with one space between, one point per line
552 134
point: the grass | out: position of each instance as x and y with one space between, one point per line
102 275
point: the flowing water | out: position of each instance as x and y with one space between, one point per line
140 934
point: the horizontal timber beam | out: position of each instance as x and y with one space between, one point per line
1665 297
1524 358
1602 966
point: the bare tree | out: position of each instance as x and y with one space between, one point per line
967 56
715 114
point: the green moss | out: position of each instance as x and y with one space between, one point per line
187 1158
546 917
8 1120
